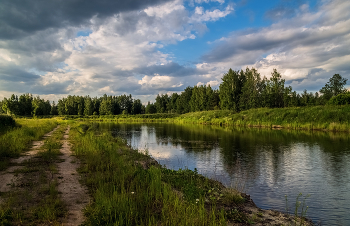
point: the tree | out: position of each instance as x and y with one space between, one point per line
276 89
54 110
150 108
106 107
230 90
136 107
161 103
89 106
251 90
182 103
171 107
25 104
125 103
333 87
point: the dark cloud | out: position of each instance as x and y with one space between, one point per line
171 69
14 74
19 18
52 88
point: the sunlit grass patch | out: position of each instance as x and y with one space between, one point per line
17 140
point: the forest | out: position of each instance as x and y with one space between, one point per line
238 91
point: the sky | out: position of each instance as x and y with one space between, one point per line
147 47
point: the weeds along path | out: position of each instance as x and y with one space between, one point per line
73 194
7 177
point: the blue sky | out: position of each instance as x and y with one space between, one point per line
144 48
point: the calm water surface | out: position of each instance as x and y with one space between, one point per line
267 164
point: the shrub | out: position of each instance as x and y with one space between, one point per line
340 99
6 120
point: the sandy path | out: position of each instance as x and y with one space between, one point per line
72 192
7 177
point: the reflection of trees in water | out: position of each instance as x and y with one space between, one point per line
253 148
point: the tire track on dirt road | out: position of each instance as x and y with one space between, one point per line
8 177
73 194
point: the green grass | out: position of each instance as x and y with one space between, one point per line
18 139
35 200
124 118
330 118
125 192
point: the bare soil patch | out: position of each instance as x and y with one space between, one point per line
73 194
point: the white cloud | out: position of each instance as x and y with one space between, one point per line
309 46
200 15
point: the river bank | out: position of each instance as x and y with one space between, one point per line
140 191
323 118
128 187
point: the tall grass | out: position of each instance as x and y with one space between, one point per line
18 139
126 193
331 118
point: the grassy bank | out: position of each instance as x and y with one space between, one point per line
129 188
331 118
17 139
328 118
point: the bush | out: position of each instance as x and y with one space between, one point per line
341 99
6 120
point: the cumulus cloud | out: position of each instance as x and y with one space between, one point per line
21 18
295 46
207 15
80 47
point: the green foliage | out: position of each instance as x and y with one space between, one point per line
251 90
231 89
333 87
239 91
150 108
328 117
7 121
182 102
340 99
162 103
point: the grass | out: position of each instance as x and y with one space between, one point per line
327 117
17 140
330 118
35 199
299 214
126 192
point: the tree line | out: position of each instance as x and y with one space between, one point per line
243 90
239 90
26 105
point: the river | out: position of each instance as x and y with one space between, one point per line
269 165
